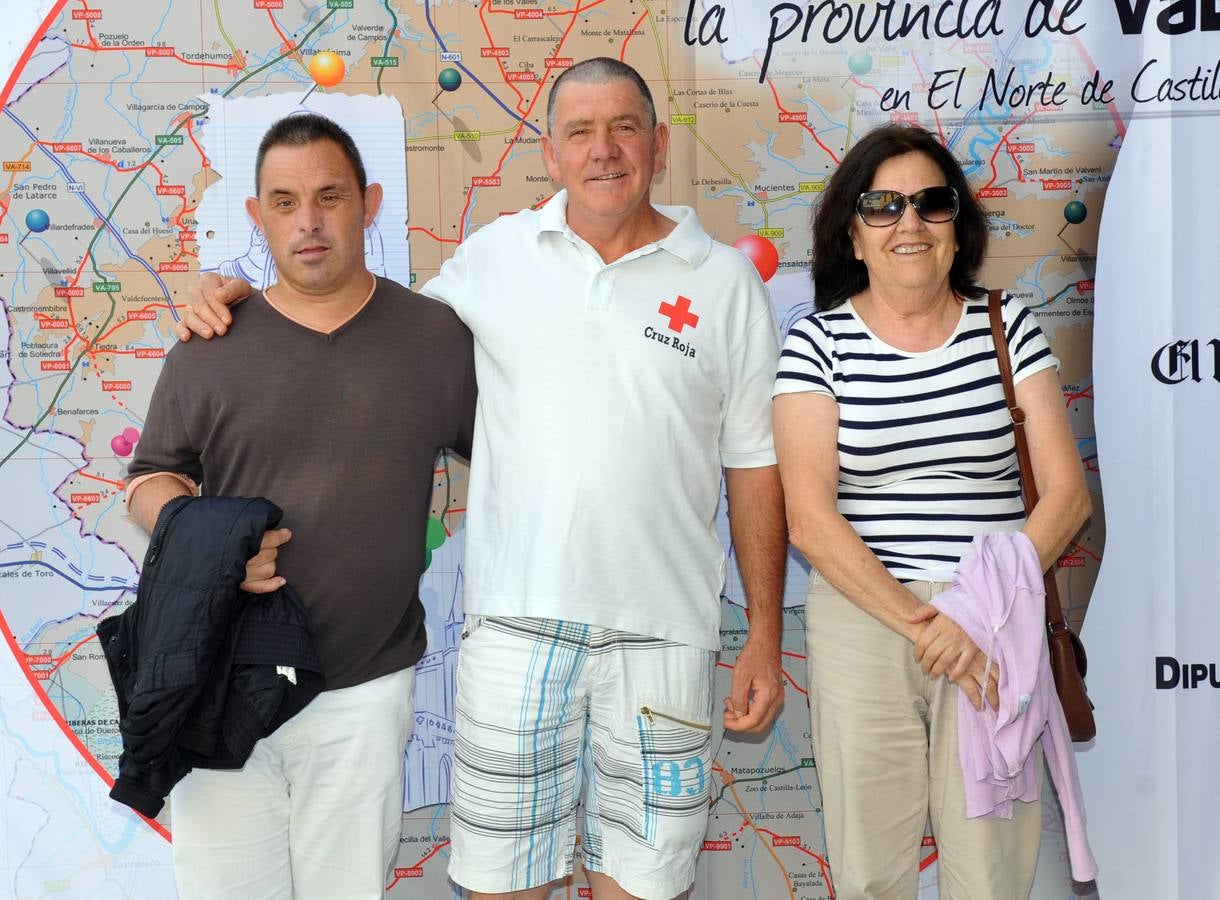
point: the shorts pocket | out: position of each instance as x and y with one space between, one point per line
471 624
675 749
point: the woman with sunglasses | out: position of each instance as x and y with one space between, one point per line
896 448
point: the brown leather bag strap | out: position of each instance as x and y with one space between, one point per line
1029 490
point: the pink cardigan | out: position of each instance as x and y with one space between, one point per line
998 598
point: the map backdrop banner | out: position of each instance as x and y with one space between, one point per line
107 182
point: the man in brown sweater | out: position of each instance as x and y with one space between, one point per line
332 401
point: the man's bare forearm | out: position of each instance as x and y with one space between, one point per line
760 541
150 496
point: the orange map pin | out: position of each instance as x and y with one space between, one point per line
326 68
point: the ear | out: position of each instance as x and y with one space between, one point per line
855 243
548 157
254 212
660 147
373 195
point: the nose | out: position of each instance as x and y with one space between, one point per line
309 217
604 144
909 220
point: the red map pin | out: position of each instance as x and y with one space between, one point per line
761 252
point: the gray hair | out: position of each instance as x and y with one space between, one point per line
600 70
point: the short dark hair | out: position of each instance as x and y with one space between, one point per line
837 274
600 70
302 129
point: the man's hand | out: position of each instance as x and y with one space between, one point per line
758 688
260 570
209 298
944 648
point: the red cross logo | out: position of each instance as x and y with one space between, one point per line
679 314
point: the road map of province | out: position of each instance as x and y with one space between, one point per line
109 187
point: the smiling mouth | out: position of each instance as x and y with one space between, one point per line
613 176
911 249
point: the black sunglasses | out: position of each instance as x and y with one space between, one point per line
879 209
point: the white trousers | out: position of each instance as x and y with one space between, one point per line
315 814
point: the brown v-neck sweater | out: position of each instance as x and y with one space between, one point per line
341 430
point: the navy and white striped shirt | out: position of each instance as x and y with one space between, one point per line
926 452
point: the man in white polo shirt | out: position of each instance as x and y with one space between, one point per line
624 359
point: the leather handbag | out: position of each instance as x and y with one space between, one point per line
1068 661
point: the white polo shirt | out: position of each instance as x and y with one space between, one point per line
610 396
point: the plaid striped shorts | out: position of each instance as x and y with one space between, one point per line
555 719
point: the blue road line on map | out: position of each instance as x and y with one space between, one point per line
66 577
109 226
59 553
441 42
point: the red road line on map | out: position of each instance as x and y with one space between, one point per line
160 181
19 67
499 61
63 659
1086 551
118 484
96 48
1071 397
1002 142
182 251
792 681
928 860
9 638
434 236
129 321
431 853
1012 153
622 54
525 115
805 125
793 654
741 808
822 864
52 709
106 160
289 45
189 62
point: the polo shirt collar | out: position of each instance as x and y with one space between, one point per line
688 241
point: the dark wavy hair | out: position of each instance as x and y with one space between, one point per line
302 129
837 274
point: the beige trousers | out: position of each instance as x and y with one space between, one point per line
885 742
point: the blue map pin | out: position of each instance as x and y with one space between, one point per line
37 220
